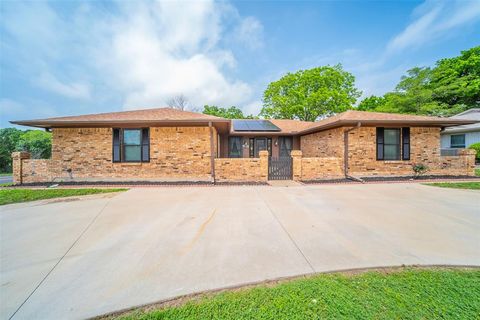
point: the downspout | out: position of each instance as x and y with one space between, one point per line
345 153
212 149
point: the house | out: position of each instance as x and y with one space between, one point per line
464 135
171 145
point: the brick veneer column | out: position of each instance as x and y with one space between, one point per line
17 158
297 164
264 164
469 160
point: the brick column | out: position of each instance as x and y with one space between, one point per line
297 164
17 166
468 157
264 164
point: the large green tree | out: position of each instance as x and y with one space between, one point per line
228 113
310 94
450 87
37 142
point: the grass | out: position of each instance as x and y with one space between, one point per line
8 196
406 294
3 174
457 185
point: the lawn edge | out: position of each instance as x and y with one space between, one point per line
64 198
183 299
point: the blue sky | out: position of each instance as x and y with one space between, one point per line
66 58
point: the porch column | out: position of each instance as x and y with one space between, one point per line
264 164
296 164
17 165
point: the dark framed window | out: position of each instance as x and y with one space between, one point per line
393 143
457 141
131 145
285 146
235 147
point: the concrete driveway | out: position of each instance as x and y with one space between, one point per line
80 258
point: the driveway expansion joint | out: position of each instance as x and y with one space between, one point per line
61 258
289 235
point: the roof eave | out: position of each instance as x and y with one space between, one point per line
110 123
412 123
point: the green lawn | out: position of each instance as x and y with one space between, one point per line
5 174
21 195
456 185
406 294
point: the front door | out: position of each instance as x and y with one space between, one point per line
260 144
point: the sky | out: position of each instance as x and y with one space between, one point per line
68 58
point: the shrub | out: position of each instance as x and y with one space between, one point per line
476 147
419 169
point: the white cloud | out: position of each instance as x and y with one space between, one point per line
140 53
152 57
250 33
434 20
77 90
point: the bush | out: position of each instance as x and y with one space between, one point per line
419 169
476 147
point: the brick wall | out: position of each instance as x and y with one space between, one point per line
424 149
176 153
327 143
242 169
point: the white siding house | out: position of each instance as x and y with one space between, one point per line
462 136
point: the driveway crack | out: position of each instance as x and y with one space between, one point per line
61 258
288 234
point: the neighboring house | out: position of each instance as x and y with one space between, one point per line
170 145
465 135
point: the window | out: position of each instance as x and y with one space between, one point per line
457 141
235 147
131 145
388 144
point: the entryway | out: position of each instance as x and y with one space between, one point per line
280 168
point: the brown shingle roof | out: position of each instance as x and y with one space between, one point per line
353 117
134 116
291 126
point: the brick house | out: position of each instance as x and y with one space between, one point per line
171 145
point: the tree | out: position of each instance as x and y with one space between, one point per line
450 87
310 94
9 138
371 103
228 113
38 143
179 102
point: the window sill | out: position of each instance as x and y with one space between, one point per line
394 161
129 163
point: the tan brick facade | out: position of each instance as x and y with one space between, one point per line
242 169
176 153
184 153
327 143
424 149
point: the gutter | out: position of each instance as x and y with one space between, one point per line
345 154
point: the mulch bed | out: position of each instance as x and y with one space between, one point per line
394 179
137 184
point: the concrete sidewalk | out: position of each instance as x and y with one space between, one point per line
78 259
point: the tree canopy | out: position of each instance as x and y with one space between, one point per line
37 142
310 94
228 113
450 87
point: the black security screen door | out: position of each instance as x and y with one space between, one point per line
280 168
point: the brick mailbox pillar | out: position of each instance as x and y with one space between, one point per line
264 164
468 156
17 165
296 164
